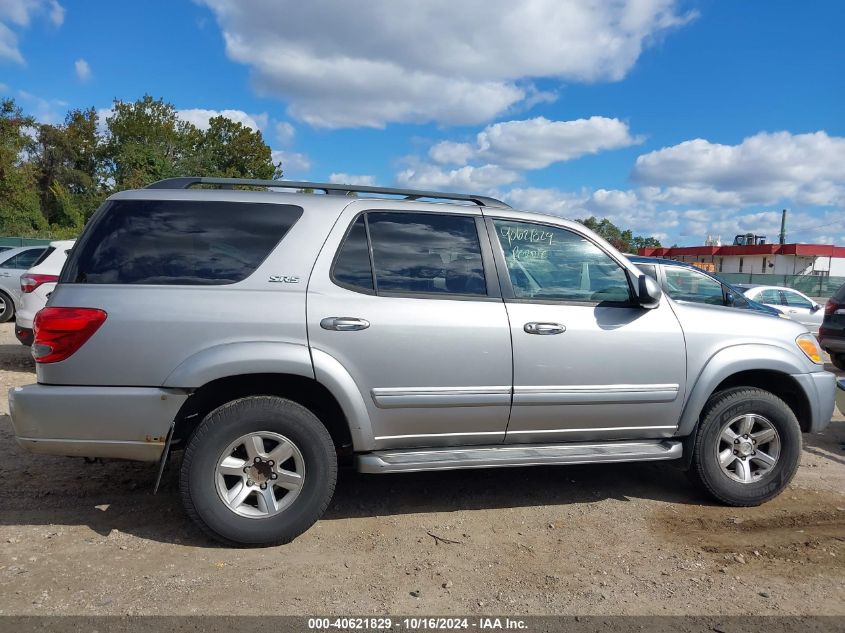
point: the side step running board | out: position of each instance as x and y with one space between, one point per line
449 458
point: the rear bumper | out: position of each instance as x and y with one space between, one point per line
24 319
24 334
831 343
120 422
820 388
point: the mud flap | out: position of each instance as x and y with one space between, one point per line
689 447
164 455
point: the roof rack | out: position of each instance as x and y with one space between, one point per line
187 182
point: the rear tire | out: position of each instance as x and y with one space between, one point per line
838 361
7 307
225 467
728 462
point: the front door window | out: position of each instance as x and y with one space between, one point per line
551 263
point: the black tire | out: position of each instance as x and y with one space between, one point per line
224 425
8 310
838 361
721 409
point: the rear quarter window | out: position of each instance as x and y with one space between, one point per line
49 251
178 242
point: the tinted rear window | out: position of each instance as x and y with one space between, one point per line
840 294
426 253
178 242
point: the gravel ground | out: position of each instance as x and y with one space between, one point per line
90 539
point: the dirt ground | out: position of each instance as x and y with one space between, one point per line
88 539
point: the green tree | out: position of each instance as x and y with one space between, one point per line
146 141
69 169
623 240
19 209
230 149
53 177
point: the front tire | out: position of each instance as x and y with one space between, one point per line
748 447
258 471
838 361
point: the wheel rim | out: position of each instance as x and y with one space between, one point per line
748 448
2 305
260 474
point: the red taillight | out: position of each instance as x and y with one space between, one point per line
832 306
30 282
59 332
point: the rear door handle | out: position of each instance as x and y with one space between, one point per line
344 324
544 328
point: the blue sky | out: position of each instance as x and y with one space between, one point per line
675 118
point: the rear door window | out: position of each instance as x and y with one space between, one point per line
426 253
412 253
23 260
178 242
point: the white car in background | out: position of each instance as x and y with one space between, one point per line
13 263
796 305
36 285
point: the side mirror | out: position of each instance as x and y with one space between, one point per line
730 298
648 292
816 307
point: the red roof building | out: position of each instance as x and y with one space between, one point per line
778 259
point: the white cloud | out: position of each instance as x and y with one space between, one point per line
628 209
468 178
451 153
646 214
371 63
9 45
56 13
19 14
801 226
200 117
285 132
537 143
292 162
83 70
351 179
44 110
764 169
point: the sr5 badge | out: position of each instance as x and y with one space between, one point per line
284 279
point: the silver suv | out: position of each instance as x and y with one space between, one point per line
265 333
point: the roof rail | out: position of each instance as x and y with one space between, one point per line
186 182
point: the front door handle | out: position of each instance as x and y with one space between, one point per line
544 328
344 324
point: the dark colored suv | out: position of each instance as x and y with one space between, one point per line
832 331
